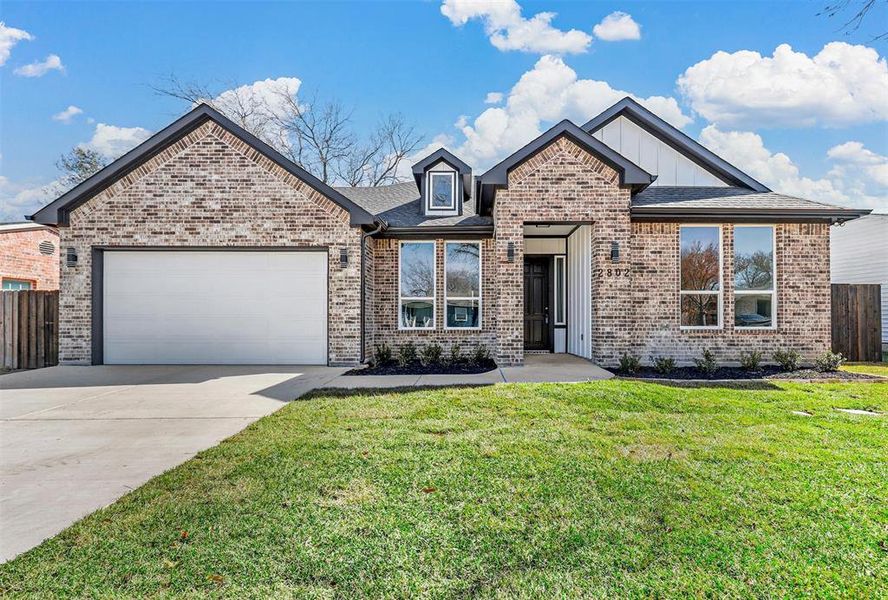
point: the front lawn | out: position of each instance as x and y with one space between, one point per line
607 489
880 369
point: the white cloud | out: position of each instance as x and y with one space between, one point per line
9 37
112 141
493 98
549 92
252 105
39 69
841 85
848 183
616 27
508 30
69 113
17 200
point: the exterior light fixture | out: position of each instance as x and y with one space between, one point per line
510 252
343 258
615 251
71 257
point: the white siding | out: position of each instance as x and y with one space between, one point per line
579 292
655 156
859 254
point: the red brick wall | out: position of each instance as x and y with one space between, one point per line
20 257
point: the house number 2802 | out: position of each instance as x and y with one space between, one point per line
612 272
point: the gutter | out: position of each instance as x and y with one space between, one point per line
441 231
381 226
836 215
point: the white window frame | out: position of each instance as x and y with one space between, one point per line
721 282
480 286
772 292
429 188
433 297
563 259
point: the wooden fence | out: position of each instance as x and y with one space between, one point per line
30 329
857 321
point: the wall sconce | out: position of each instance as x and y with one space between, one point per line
615 252
71 257
343 258
510 252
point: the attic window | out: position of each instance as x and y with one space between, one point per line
441 191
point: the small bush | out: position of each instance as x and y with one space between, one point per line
431 354
829 362
751 361
706 363
382 355
787 359
481 355
407 354
663 364
456 356
629 363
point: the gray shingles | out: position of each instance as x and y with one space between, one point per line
721 197
400 206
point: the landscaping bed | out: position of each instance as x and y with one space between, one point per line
765 372
421 369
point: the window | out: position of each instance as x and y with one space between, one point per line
416 305
16 285
462 282
559 290
701 276
442 190
754 277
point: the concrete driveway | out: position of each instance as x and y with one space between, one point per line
74 439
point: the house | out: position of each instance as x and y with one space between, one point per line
859 254
205 245
29 256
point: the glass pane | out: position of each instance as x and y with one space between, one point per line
442 190
699 258
463 269
417 313
559 290
16 285
463 313
699 310
753 310
418 269
753 258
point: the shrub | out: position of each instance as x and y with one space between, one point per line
431 354
663 364
481 355
456 356
629 363
407 354
706 363
829 362
787 359
751 361
382 355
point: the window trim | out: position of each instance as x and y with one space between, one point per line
772 292
480 287
433 297
721 283
558 297
429 177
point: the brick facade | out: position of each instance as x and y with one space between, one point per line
21 258
210 189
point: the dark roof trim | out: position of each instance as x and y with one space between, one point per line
57 211
498 176
759 215
665 132
443 155
439 231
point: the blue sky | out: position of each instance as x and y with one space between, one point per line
815 127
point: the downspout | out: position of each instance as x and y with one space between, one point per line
364 235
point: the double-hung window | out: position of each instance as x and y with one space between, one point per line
754 277
416 285
462 282
701 268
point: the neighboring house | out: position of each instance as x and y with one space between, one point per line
29 256
205 245
859 254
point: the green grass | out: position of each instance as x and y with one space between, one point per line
880 369
608 489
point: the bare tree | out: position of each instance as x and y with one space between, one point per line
858 10
315 134
79 164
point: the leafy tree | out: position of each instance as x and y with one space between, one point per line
79 165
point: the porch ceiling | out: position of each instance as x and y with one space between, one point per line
548 230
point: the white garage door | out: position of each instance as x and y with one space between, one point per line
215 307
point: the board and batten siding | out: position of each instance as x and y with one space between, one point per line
859 254
655 156
579 292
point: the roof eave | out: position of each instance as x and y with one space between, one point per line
833 215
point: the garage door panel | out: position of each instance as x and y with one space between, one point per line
211 307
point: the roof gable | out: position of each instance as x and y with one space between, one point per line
57 211
635 112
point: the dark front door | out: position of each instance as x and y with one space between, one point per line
536 303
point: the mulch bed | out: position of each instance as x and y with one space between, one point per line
765 372
420 369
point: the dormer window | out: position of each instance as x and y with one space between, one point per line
441 191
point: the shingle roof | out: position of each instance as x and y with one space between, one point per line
400 206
